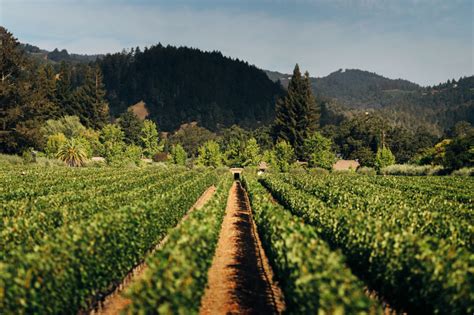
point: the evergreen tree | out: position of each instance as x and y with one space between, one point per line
460 151
41 104
297 114
132 127
46 82
89 100
13 88
63 89
384 157
149 137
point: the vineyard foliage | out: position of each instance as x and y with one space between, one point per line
314 278
177 273
409 239
69 236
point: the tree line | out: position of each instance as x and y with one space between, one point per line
66 107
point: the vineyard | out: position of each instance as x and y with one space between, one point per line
334 244
408 239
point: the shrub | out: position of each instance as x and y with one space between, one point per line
366 171
344 172
90 163
133 154
160 157
70 126
411 170
465 171
29 156
10 159
93 142
297 168
424 157
318 171
54 143
47 162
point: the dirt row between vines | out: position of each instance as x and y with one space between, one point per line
115 302
240 277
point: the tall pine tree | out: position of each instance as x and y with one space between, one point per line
26 97
12 82
297 114
89 100
64 90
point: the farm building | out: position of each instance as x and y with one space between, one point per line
345 165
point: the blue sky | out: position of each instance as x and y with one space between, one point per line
425 41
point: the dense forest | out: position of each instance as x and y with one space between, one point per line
180 85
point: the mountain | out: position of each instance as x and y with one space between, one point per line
57 55
361 89
355 88
404 102
180 84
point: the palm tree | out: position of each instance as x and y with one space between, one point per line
72 153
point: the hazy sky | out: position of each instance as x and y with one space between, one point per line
425 41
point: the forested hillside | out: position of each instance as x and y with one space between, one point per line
180 85
57 55
403 102
356 88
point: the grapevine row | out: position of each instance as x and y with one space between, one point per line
314 278
81 261
419 274
177 274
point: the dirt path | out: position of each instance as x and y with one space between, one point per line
115 302
239 280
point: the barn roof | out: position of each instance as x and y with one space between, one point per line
346 165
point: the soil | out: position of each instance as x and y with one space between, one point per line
116 302
240 278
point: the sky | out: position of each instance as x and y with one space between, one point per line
424 41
